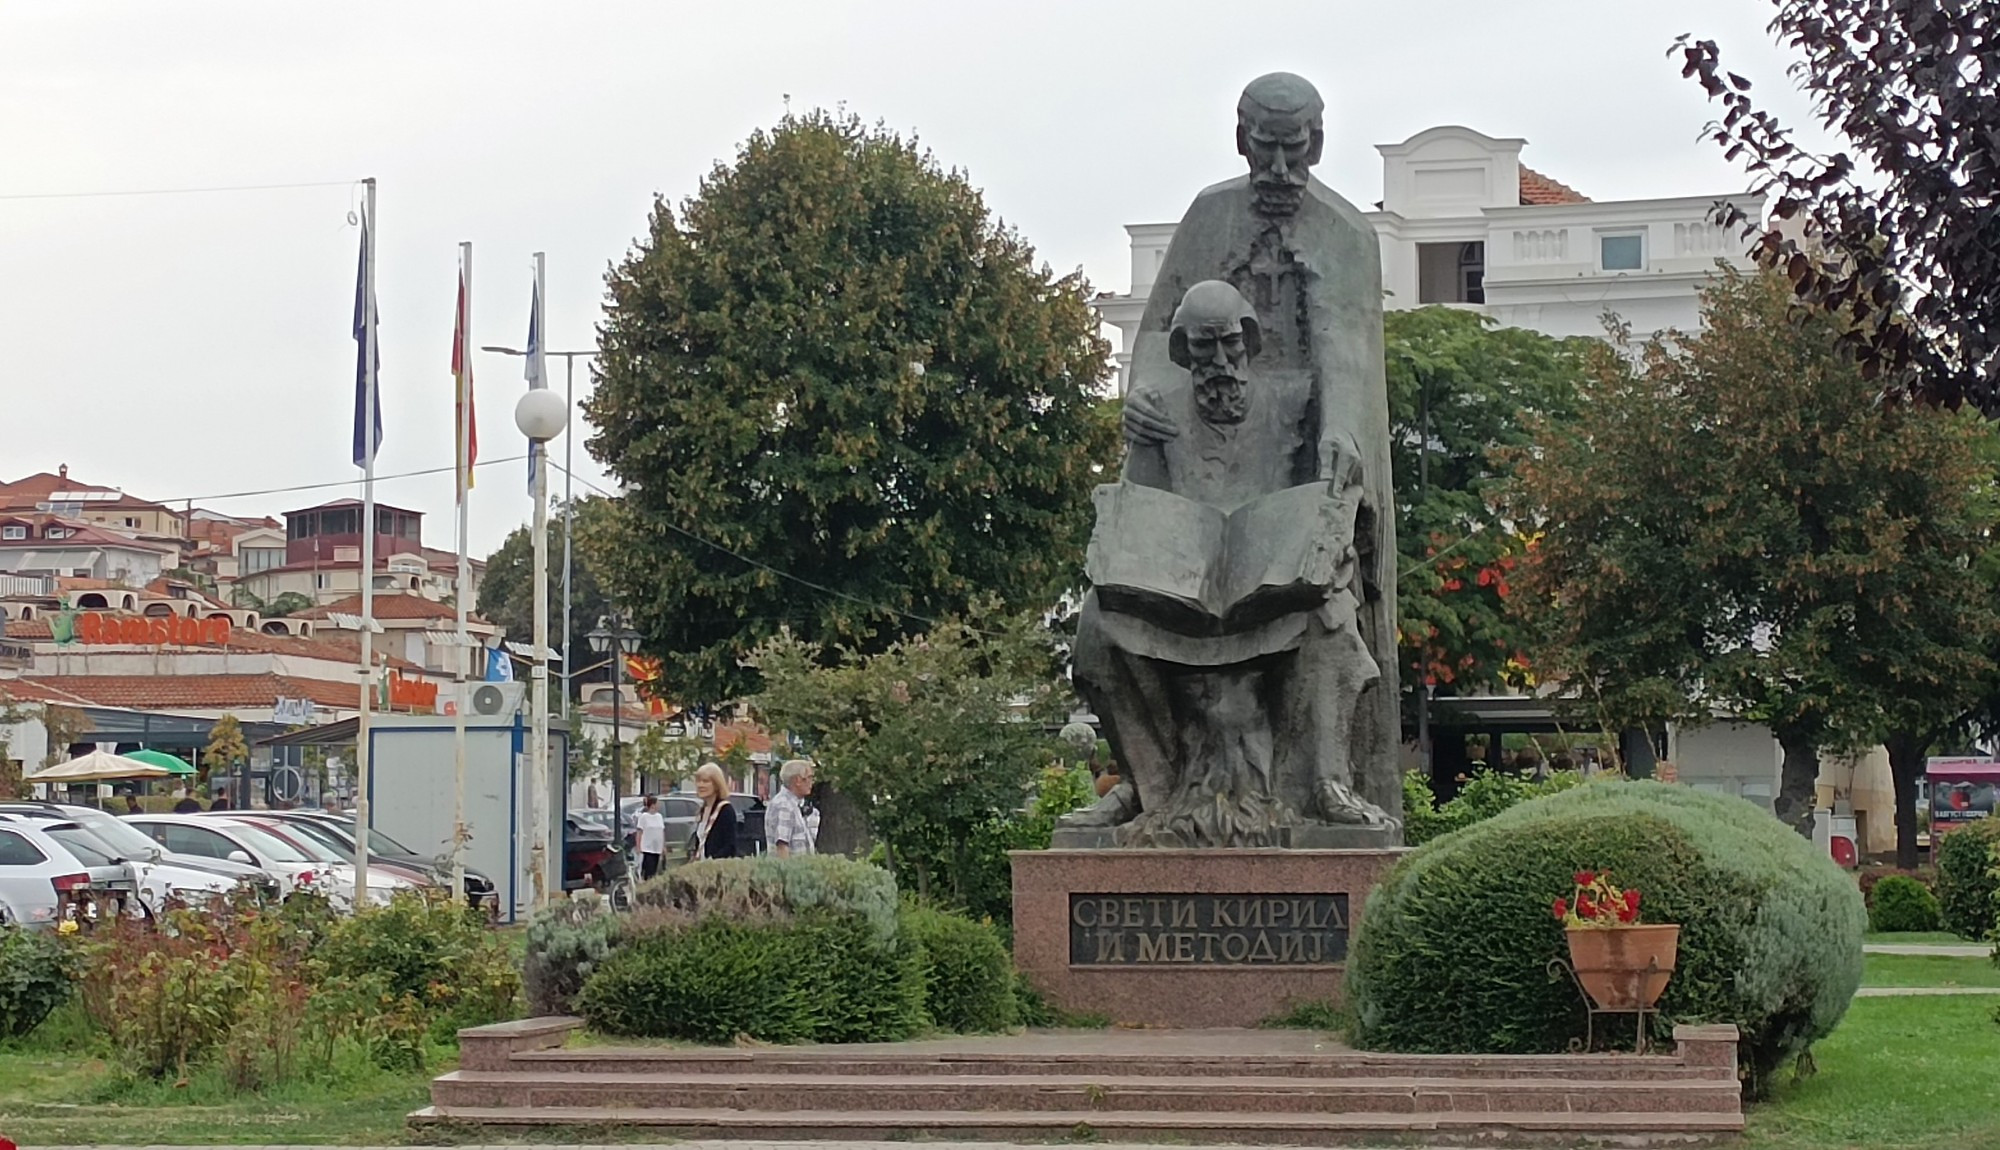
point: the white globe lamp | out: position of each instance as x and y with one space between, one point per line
541 414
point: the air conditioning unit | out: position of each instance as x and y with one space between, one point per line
498 698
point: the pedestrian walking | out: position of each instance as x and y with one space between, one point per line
785 824
652 827
714 834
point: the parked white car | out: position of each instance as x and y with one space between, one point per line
41 882
98 839
238 841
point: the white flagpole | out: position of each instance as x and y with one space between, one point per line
363 777
538 771
461 585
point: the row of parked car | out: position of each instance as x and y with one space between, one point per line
60 861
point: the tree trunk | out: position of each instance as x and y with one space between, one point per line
1798 782
843 828
1906 764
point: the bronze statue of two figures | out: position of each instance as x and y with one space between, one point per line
1239 641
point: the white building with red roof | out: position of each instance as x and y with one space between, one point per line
1464 223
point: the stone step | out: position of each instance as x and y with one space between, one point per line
820 1060
1648 1129
877 1092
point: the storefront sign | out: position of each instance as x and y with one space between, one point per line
1962 789
292 712
1207 929
412 693
102 627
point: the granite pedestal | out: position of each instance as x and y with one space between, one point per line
1189 938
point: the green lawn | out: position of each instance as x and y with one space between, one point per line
1899 1074
52 1095
1928 970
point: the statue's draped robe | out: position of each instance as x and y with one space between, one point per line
1315 280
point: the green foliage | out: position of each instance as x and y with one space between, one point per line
36 970
1038 1012
506 592
1966 884
267 996
1460 387
1487 794
1900 903
566 942
1309 1016
430 967
834 361
1735 524
988 881
818 977
968 975
936 738
225 748
750 888
1452 950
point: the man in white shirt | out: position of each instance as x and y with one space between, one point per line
785 825
652 826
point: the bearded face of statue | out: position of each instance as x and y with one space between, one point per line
1281 156
1219 359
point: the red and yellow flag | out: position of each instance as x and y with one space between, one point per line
465 423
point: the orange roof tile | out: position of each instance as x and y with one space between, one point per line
1537 188
197 692
333 648
391 605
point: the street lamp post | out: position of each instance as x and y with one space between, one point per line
569 448
541 415
613 637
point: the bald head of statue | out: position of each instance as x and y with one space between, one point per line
1280 130
1215 335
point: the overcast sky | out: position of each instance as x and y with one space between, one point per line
193 345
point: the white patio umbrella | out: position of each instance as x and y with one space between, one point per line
98 766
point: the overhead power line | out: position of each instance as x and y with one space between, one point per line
172 191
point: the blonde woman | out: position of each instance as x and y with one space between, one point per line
715 826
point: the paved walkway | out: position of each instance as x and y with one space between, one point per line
1928 949
1921 991
700 1144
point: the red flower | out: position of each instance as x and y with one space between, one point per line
1586 908
1485 577
1562 908
1632 901
1585 878
1628 914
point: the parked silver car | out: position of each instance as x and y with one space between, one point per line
93 836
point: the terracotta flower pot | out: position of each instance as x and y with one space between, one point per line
1624 967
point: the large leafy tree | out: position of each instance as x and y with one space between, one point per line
1899 232
843 398
1736 523
506 594
935 737
1461 392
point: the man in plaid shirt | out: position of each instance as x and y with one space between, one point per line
785 825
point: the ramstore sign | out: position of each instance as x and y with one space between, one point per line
103 627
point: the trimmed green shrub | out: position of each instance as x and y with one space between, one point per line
1453 949
754 887
1486 794
820 977
36 973
566 942
1901 903
431 956
1966 886
968 976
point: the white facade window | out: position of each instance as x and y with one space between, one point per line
55 533
1624 252
257 559
13 531
320 580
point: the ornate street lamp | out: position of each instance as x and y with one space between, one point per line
612 637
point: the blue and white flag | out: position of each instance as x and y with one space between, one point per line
499 666
536 379
367 359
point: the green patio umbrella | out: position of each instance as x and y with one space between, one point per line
164 760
